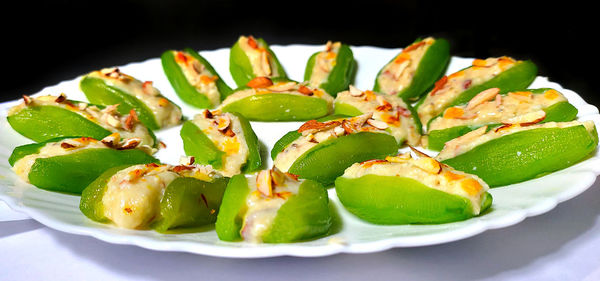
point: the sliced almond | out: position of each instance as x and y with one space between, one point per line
111 140
187 160
498 100
354 91
377 124
527 119
264 183
482 97
130 143
113 121
339 131
305 90
313 126
260 82
131 120
400 158
223 122
328 46
277 177
61 98
207 114
66 145
82 105
110 109
282 86
264 63
429 165
27 100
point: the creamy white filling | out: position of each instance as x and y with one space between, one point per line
132 197
262 210
166 113
23 166
389 109
478 137
398 74
235 147
498 110
440 97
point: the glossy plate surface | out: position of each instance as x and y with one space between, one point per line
511 204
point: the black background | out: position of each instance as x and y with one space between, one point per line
47 42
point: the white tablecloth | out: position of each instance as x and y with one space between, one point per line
563 244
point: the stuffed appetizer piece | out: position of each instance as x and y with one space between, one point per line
460 87
225 141
514 153
332 69
493 109
412 72
250 58
265 99
273 207
405 190
321 151
193 78
158 196
109 86
70 164
47 117
394 114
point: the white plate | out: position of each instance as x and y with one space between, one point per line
511 204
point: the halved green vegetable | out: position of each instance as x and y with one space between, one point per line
71 173
328 160
197 144
279 107
340 76
558 112
519 76
241 67
184 89
401 200
528 154
430 68
97 91
303 216
44 122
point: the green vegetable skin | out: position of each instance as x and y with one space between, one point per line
44 122
186 91
278 106
527 154
431 67
401 200
71 173
520 76
304 216
97 91
328 160
558 112
240 67
190 202
340 76
197 144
